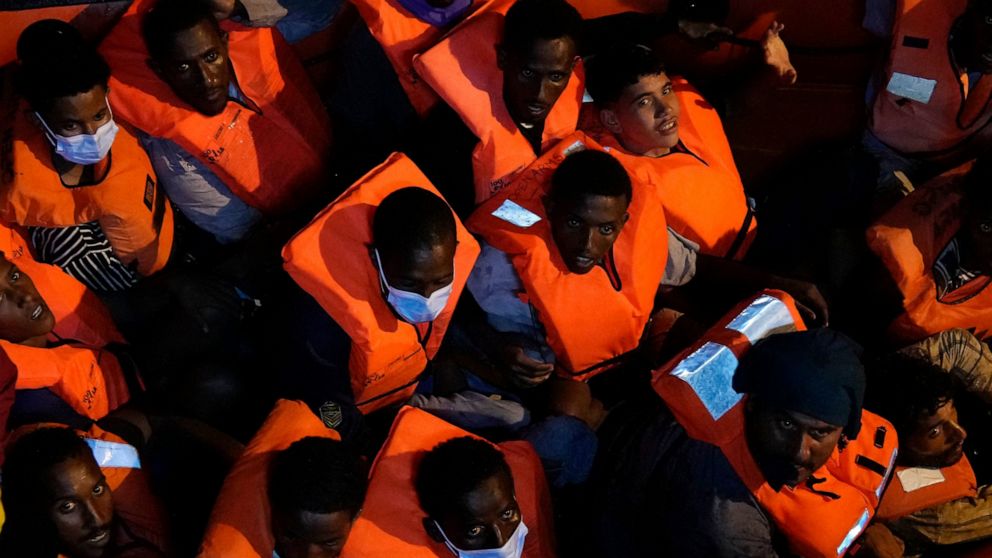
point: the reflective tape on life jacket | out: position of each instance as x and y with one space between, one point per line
403 35
79 314
271 154
908 239
90 380
918 105
128 203
591 320
462 70
134 501
241 521
697 386
917 488
391 523
700 188
330 260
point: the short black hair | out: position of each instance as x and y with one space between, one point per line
590 173
528 21
25 469
411 218
55 62
169 18
454 468
618 67
318 475
903 389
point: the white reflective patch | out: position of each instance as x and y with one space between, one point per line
710 371
915 478
764 316
586 97
888 473
113 454
515 214
854 533
574 148
911 87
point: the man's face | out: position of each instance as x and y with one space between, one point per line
787 445
978 227
304 534
197 69
533 80
422 270
936 440
80 507
484 518
585 229
23 313
979 26
646 116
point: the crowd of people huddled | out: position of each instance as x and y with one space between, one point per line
516 302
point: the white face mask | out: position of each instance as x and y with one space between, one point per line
513 548
84 149
412 307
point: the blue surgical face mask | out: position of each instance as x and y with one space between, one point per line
84 149
438 17
513 548
412 307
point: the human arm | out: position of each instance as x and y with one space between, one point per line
959 521
879 542
958 352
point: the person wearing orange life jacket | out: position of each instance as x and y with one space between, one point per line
934 498
83 185
382 316
512 93
78 498
436 491
770 455
312 488
936 249
232 138
929 102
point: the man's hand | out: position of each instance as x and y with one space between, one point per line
777 55
879 542
809 301
525 372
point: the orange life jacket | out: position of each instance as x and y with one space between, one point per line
131 208
700 188
908 239
391 520
958 481
330 259
134 501
402 35
89 379
697 387
79 313
591 320
271 155
241 522
923 114
462 70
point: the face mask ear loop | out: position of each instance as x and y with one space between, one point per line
50 134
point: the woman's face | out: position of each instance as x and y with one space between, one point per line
80 507
82 113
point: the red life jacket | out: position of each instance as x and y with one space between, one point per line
330 260
697 387
919 103
79 313
241 522
271 155
134 501
89 379
591 320
462 70
391 520
403 35
701 189
908 239
957 481
131 208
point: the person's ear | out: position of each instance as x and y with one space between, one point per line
575 61
501 57
432 530
223 37
626 217
610 120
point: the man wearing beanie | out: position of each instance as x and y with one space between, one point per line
666 492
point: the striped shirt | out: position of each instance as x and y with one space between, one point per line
83 252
